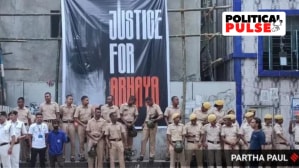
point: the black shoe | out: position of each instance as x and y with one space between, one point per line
151 159
140 159
128 159
108 160
28 160
167 159
82 159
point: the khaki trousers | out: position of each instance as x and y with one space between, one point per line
268 147
82 135
176 156
129 139
98 161
50 126
25 150
281 147
192 148
149 134
228 152
214 154
70 130
117 147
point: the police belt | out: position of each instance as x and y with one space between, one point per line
68 121
214 142
49 121
268 143
296 143
192 141
5 143
282 143
114 139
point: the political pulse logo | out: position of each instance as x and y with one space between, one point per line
253 23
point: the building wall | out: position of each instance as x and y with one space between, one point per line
254 88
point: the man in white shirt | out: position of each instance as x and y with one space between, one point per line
7 140
38 134
20 131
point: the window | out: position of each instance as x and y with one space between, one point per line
55 24
281 53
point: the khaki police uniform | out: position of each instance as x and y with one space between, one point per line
246 131
6 132
19 130
68 126
23 115
202 117
230 134
268 130
219 114
169 111
150 133
113 133
49 111
177 133
97 129
295 131
213 140
83 114
193 142
106 110
279 142
128 113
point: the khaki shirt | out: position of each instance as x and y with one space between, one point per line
152 111
49 110
129 113
219 114
201 116
230 133
212 133
246 131
169 111
176 131
106 110
67 112
196 130
114 130
268 130
278 130
23 114
83 113
96 126
295 131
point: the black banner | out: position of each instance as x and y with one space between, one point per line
115 47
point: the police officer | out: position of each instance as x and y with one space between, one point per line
230 135
109 108
20 133
176 134
202 113
129 114
169 111
211 141
294 129
25 116
115 139
268 130
83 113
7 140
281 142
153 114
50 110
67 112
106 110
95 130
194 134
246 131
218 110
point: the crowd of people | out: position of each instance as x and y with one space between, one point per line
108 131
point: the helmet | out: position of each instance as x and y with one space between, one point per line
92 152
132 132
178 147
150 124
